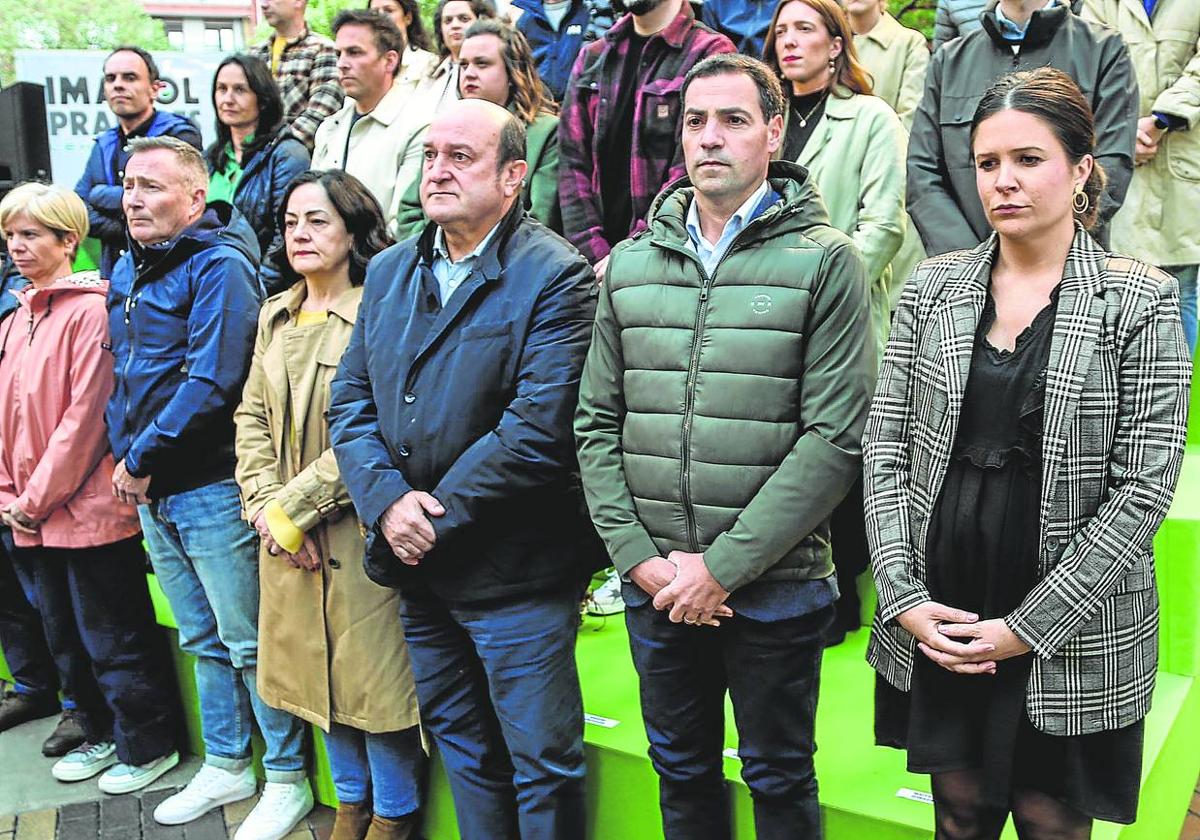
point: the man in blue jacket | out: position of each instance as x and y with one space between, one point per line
451 421
131 84
557 30
183 313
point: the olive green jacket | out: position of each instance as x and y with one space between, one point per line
541 182
724 414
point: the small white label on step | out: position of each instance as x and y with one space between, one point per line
915 795
607 723
731 752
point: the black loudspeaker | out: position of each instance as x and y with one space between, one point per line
24 140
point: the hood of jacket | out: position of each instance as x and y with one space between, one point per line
37 300
801 206
220 223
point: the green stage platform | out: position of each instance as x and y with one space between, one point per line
866 793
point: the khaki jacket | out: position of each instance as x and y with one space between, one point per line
897 58
385 145
1157 222
330 646
856 159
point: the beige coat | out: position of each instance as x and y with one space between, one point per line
386 145
856 158
897 58
330 645
1160 219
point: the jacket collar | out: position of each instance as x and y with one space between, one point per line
886 31
81 282
1083 274
345 307
1042 25
488 261
387 110
674 33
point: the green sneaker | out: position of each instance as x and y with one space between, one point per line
126 778
85 761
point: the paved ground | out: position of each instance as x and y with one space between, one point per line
34 806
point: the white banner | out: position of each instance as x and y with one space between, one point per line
75 108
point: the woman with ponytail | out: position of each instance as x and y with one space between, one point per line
1023 446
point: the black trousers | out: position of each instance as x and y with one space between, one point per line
851 556
95 599
772 671
21 634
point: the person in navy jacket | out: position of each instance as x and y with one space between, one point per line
557 30
131 84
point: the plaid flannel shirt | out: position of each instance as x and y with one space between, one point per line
308 82
1117 384
656 158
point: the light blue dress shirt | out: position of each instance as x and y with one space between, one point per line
449 273
710 253
1014 31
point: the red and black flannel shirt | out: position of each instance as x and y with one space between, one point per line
657 155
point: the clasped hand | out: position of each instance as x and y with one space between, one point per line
958 641
682 584
307 557
407 527
15 518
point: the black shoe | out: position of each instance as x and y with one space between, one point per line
66 736
17 708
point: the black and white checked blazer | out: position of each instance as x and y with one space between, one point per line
1115 424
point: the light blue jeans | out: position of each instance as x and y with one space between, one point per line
388 766
1186 275
206 559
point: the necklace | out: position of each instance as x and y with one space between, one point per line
804 119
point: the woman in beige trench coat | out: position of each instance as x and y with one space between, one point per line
331 648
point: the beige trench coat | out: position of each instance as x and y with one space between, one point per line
330 645
1158 221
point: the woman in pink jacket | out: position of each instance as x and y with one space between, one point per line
79 545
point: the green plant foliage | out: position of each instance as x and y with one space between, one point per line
73 25
321 13
915 14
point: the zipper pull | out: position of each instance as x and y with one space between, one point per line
704 292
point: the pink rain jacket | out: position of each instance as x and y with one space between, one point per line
55 378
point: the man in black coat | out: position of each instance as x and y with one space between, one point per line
451 421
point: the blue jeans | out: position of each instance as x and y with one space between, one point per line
1186 275
206 559
772 671
499 695
390 766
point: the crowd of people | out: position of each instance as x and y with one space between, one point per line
736 306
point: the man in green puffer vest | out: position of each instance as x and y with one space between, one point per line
720 417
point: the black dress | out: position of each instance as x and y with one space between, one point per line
982 554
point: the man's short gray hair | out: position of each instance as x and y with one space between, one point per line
186 155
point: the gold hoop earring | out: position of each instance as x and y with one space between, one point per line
1080 202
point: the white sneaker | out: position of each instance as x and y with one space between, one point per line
210 788
85 761
606 598
126 778
281 806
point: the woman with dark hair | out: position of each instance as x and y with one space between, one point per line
1022 449
255 156
415 59
451 19
331 648
853 145
496 64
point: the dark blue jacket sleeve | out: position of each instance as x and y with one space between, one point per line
222 327
533 442
363 458
291 159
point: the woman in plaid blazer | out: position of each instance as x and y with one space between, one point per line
1022 449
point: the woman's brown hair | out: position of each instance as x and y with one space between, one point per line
527 94
1053 97
848 70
